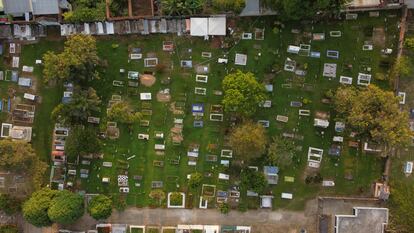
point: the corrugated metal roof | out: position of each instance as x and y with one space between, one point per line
17 7
45 7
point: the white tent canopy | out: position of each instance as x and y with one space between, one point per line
217 26
199 26
214 26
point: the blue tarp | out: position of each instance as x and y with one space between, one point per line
271 170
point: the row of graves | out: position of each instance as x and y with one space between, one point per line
322 120
364 77
20 103
125 27
18 106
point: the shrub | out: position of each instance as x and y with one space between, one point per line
195 180
224 208
229 5
176 198
100 207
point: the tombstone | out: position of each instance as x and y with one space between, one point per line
264 123
345 80
200 91
281 118
247 36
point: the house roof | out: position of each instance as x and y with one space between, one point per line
14 7
45 7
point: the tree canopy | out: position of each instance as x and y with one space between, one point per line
181 7
82 141
253 180
281 152
122 112
84 103
100 207
66 207
76 63
373 113
304 9
242 93
248 140
35 209
18 156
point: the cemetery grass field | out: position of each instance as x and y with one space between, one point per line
364 168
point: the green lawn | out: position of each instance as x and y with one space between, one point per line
364 168
135 230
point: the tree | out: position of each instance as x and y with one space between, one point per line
195 180
81 141
242 93
401 208
19 157
409 42
84 103
122 112
76 63
66 207
248 140
86 11
401 67
281 152
305 9
253 180
35 209
181 7
10 205
100 207
374 114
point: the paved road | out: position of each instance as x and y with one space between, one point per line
262 220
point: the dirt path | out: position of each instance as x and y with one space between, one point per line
262 221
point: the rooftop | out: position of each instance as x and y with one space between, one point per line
364 219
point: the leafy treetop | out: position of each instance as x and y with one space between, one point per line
242 93
374 113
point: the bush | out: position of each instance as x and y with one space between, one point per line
195 180
176 198
66 208
86 14
100 207
409 43
35 209
224 208
8 228
229 5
